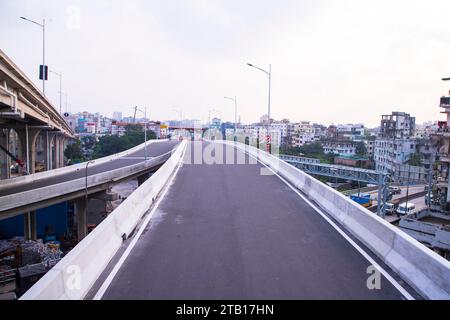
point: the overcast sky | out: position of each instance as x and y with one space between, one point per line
332 61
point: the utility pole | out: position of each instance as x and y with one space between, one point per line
44 74
268 136
134 117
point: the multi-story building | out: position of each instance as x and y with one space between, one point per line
350 131
340 147
395 142
117 115
370 146
441 196
303 133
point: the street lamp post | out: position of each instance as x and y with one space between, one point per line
269 74
60 90
43 49
235 114
145 130
86 185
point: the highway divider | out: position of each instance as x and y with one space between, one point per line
423 269
17 181
73 276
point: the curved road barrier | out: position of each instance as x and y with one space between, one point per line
73 276
423 269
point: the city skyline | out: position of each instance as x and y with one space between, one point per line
320 61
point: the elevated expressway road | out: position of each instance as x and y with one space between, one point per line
232 231
38 190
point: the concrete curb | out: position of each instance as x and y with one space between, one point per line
75 274
423 269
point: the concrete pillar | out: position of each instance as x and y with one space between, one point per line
61 151
81 214
57 152
29 223
51 151
5 160
31 153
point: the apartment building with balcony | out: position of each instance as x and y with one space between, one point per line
395 142
441 196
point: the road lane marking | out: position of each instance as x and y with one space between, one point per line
101 291
402 290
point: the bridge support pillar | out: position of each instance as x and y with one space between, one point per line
61 151
81 214
52 150
30 229
27 139
5 161
57 152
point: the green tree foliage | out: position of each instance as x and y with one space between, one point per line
134 135
74 152
312 150
415 160
361 149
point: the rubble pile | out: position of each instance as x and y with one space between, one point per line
32 252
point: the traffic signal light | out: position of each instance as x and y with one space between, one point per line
43 72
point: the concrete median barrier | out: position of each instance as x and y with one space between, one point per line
74 275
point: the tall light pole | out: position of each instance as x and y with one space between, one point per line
43 49
269 74
60 90
86 185
145 129
235 113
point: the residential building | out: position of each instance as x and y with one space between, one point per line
395 142
340 147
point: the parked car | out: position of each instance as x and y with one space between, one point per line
405 209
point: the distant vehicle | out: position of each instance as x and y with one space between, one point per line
390 208
404 209
363 199
395 190
426 199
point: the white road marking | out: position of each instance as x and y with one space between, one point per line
124 256
346 237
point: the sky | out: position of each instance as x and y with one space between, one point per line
346 61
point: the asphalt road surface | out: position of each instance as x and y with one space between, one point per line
228 232
153 150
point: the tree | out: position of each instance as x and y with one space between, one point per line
415 159
108 145
134 135
361 149
88 145
74 152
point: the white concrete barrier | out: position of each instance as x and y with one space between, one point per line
423 269
74 275
17 181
